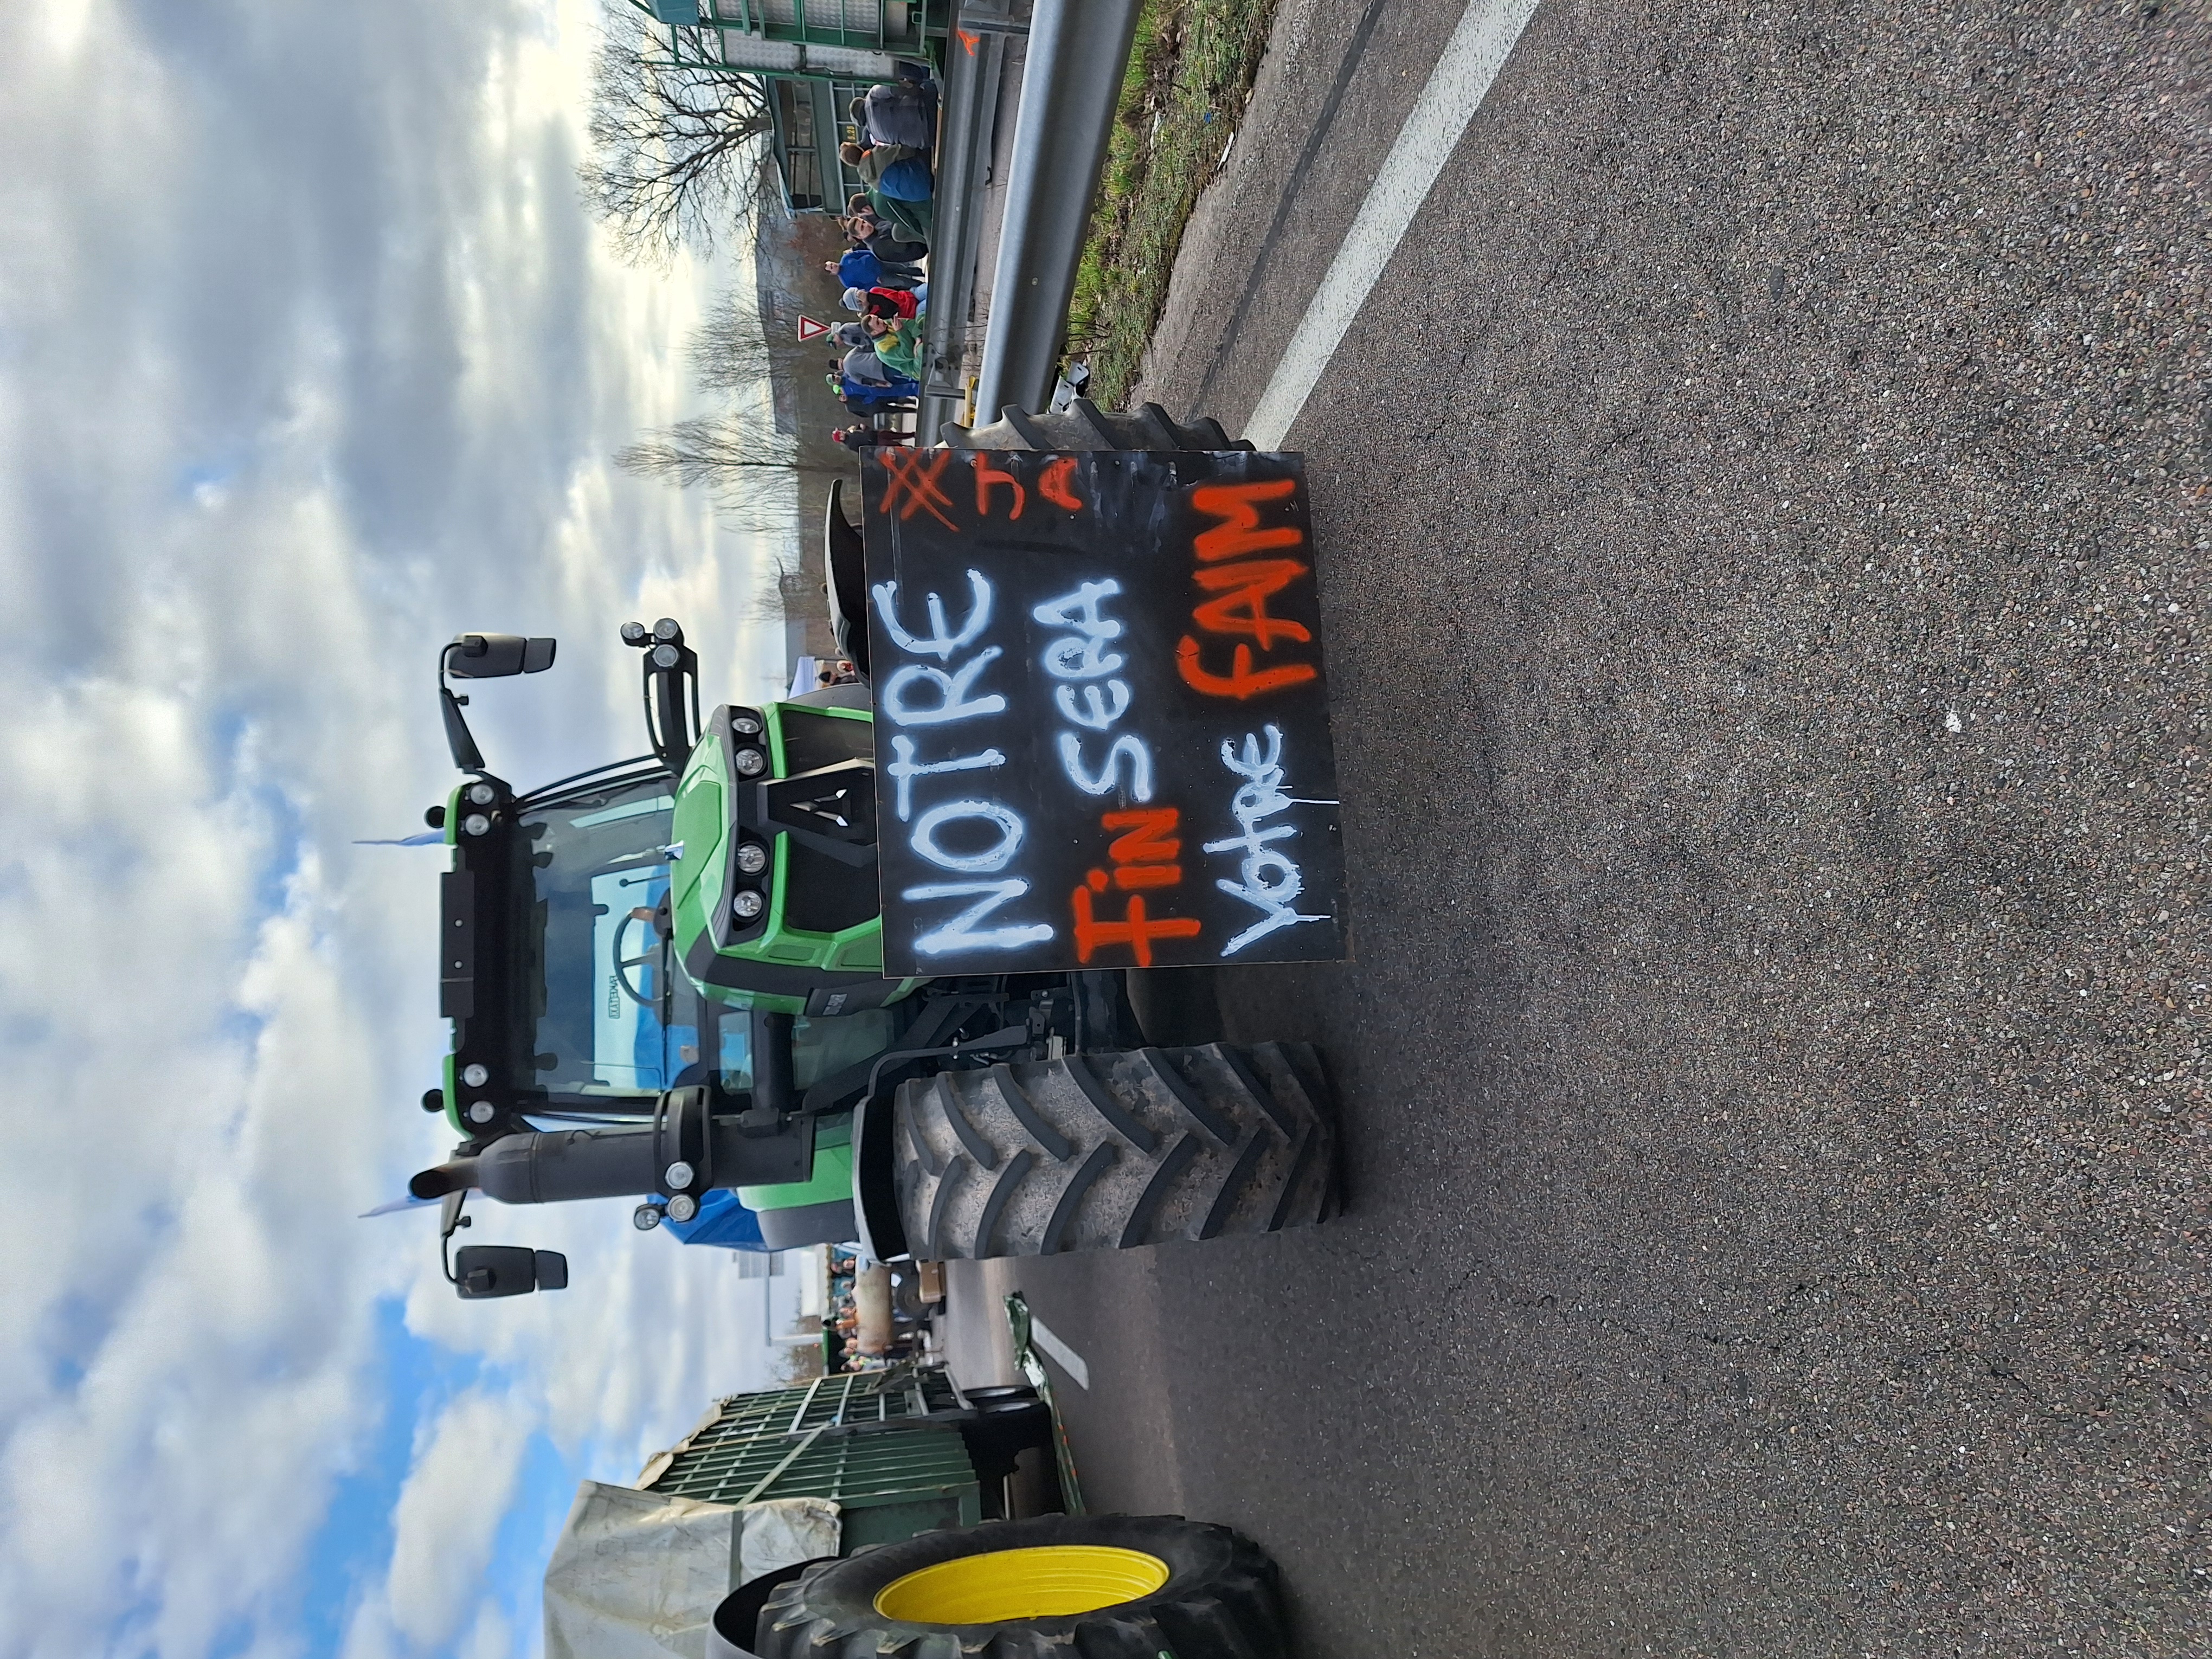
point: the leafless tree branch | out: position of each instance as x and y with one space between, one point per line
711 450
734 460
679 145
728 352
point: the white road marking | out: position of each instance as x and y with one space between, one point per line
1457 86
1070 1361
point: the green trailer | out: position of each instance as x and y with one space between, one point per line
887 1447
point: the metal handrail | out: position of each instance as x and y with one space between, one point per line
1079 51
975 53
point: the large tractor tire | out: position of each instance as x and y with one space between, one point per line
1103 1586
1084 425
1111 1151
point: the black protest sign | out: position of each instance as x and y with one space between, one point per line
1102 723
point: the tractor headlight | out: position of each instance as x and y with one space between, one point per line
747 906
752 857
745 725
750 763
683 1208
476 824
482 794
476 1076
483 1112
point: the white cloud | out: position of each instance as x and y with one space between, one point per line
307 360
449 1513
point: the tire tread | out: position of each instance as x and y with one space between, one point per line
1112 1151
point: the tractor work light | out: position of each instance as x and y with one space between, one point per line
666 656
476 824
475 1075
645 1218
679 1174
750 763
745 725
752 857
747 906
683 1208
482 794
483 1111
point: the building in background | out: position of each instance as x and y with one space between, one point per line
817 56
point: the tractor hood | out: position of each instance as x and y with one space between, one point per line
775 894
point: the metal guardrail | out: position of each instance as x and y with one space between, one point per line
1079 51
977 57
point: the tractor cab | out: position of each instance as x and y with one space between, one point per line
664 975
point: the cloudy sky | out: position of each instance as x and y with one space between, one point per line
308 358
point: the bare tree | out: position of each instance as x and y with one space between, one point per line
679 143
715 450
728 352
728 453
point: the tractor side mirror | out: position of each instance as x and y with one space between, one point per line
483 1271
496 656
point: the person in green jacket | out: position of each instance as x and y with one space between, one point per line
898 344
899 184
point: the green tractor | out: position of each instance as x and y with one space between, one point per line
665 979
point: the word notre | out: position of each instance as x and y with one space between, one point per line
922 695
1143 857
1239 608
1269 880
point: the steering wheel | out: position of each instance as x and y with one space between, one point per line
624 963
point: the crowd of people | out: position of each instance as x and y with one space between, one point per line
841 1324
882 278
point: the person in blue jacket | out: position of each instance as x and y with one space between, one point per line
862 269
865 398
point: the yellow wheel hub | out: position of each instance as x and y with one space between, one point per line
1006 1585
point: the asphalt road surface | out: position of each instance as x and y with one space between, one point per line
1764 516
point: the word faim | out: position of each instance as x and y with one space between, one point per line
1239 607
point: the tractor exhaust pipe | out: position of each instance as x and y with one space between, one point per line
442 1179
554 1166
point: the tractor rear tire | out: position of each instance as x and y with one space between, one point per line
1084 425
1112 1151
1220 1596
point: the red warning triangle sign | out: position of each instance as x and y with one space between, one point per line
811 329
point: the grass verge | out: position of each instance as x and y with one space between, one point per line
1190 73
